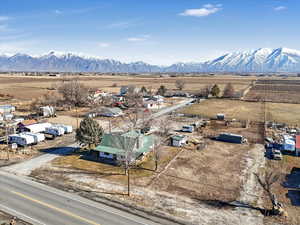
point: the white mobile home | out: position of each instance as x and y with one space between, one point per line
38 128
38 137
55 131
21 139
68 129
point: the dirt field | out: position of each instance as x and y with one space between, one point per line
21 87
283 91
210 174
242 110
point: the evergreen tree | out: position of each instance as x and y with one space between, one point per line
143 89
89 133
215 91
162 90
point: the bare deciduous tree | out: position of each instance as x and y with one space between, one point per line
73 92
180 84
165 127
50 98
229 91
204 92
127 144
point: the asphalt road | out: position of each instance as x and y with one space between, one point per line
40 204
172 108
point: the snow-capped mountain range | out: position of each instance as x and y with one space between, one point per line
260 60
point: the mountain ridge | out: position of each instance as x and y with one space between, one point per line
257 61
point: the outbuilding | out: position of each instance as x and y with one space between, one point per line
220 116
178 140
231 138
7 109
110 112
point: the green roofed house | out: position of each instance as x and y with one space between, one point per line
114 146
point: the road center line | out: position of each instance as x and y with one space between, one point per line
55 208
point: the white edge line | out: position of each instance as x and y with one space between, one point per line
18 214
85 201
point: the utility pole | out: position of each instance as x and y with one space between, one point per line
77 122
6 131
128 182
109 125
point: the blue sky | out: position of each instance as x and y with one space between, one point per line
155 31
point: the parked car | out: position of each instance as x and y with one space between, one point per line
276 154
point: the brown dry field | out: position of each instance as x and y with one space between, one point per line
211 174
242 110
28 87
289 197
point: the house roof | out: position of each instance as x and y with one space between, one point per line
178 137
117 144
114 110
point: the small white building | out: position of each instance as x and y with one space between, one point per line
160 99
151 105
7 109
178 140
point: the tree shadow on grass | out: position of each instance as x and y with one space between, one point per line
219 204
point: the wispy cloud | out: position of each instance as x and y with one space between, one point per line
4 18
103 44
75 11
138 38
123 24
57 12
206 10
280 8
